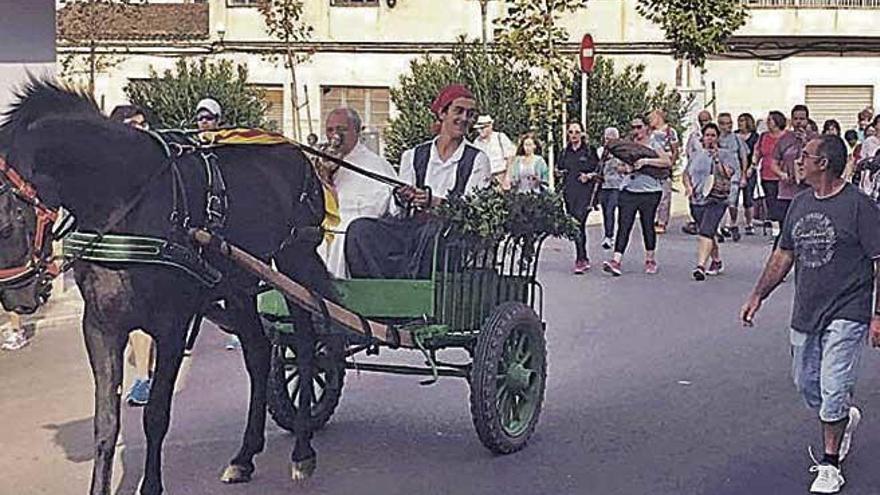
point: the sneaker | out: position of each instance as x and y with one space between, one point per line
139 394
716 267
725 231
607 243
650 267
828 479
14 340
734 234
699 273
612 267
659 228
855 416
581 267
750 230
719 238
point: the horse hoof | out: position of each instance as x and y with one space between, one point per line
304 470
236 474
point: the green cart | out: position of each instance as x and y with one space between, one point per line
483 298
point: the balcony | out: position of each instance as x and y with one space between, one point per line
812 4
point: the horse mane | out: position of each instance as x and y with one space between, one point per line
42 98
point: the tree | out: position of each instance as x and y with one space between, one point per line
88 23
695 28
618 95
283 20
173 96
531 36
499 88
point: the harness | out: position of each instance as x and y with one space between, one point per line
38 260
176 250
422 156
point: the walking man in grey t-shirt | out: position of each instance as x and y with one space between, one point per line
831 236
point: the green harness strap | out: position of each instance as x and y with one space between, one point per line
113 248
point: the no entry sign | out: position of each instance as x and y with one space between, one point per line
587 58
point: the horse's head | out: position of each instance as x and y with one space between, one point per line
26 268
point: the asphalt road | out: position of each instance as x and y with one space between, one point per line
653 388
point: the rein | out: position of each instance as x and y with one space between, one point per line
389 181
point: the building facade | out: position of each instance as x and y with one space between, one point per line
822 52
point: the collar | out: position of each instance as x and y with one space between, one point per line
456 156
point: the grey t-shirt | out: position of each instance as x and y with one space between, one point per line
735 144
701 166
835 241
643 183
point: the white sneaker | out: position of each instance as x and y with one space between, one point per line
607 243
14 340
828 479
846 443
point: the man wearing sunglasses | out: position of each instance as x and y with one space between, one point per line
208 115
831 236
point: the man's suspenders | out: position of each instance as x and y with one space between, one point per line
422 155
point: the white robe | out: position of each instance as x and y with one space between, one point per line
358 197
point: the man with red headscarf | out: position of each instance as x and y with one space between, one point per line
445 166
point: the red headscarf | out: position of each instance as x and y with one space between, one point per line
447 95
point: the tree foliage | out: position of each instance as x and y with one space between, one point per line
499 88
531 36
695 28
616 95
284 21
174 94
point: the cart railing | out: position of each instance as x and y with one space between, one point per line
472 277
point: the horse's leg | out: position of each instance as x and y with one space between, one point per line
304 457
170 340
104 344
256 349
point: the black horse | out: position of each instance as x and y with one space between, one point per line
98 170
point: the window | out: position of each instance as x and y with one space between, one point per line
274 98
354 3
372 104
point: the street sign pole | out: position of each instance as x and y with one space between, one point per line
585 79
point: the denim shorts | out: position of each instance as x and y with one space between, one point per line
825 366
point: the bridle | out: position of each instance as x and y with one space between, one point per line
39 258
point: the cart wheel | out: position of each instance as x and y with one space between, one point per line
508 377
284 386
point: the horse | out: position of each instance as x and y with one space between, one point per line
117 179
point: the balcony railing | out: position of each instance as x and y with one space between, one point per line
812 4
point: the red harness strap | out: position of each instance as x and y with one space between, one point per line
45 219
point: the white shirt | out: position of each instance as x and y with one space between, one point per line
358 197
499 148
440 175
870 147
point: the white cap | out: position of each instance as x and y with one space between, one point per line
483 121
210 105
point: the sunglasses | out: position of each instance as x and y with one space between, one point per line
574 131
206 118
637 126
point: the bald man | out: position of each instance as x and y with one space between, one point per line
695 140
